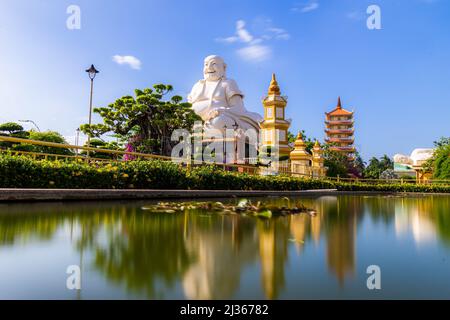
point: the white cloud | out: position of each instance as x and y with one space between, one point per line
242 33
311 6
131 61
228 39
254 49
279 33
356 15
255 53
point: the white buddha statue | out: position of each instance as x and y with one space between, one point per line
218 100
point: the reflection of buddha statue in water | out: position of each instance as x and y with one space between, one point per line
218 100
222 251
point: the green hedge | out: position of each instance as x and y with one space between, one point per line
393 187
24 172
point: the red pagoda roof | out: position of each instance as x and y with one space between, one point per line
338 111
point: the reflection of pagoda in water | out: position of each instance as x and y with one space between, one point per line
341 250
297 226
220 253
273 253
341 236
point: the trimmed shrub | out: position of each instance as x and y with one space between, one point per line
391 187
24 172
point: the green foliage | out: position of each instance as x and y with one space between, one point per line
213 177
308 141
11 128
357 167
377 166
23 172
147 118
48 136
14 130
393 187
101 144
336 162
440 163
267 154
442 142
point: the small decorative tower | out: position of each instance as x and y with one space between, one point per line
339 130
318 168
274 124
300 158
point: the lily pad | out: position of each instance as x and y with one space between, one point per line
243 207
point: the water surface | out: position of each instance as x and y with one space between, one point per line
126 252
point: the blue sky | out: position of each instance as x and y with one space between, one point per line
397 79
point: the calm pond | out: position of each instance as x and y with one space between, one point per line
126 252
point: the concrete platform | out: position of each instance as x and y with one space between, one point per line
11 195
30 195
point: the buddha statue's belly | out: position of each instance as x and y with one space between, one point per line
210 99
200 107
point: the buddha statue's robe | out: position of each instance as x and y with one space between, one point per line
220 103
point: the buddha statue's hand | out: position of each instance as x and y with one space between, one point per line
213 113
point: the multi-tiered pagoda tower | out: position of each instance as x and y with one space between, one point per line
339 130
274 127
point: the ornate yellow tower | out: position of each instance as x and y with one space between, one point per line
274 126
318 168
300 158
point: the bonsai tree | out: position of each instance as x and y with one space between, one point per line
12 129
146 118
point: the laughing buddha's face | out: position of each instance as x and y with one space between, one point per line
213 69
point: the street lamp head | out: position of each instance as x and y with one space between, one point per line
92 72
31 121
235 125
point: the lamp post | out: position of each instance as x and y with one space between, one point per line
77 140
235 127
31 121
225 145
92 72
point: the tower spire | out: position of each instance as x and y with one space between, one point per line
317 144
339 105
273 87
